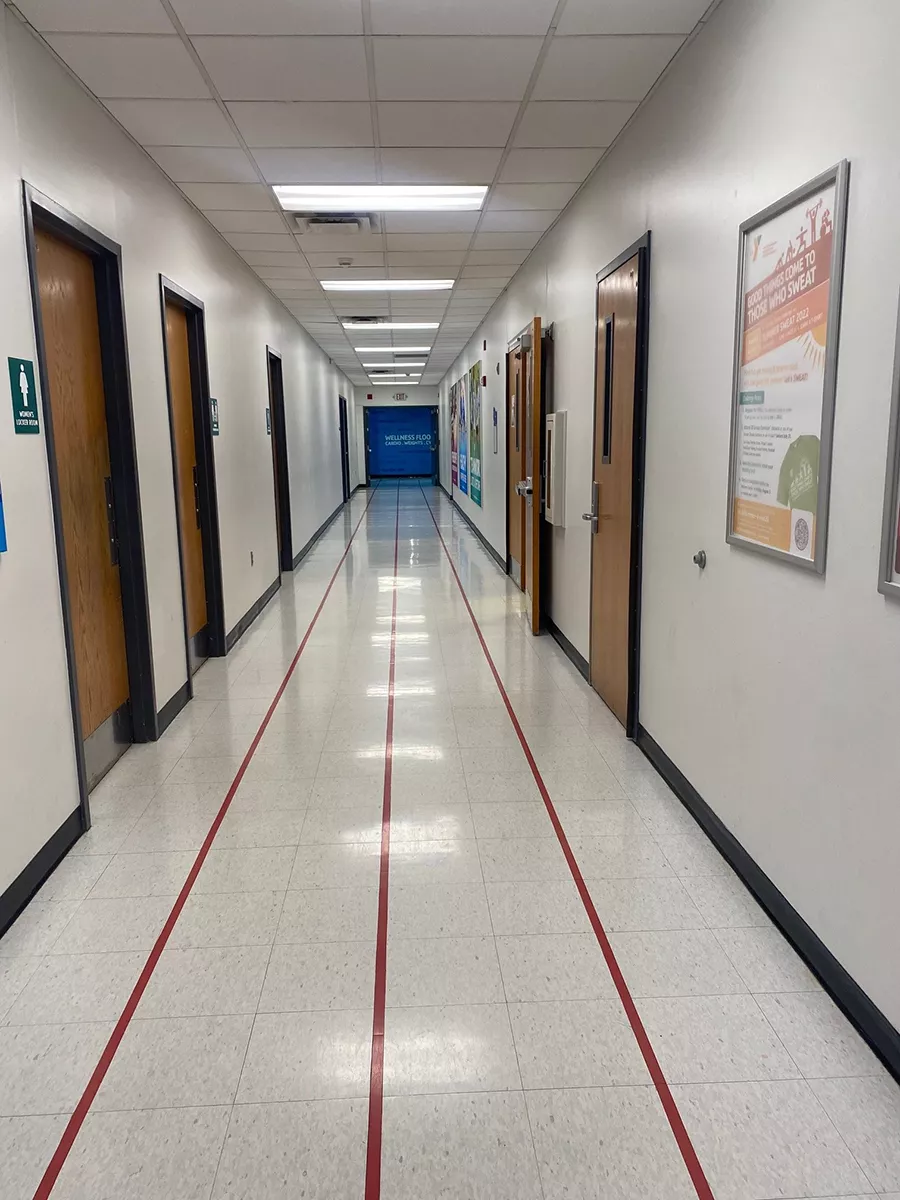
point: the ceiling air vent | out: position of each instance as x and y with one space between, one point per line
337 223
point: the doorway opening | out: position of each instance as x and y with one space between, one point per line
525 438
345 447
89 432
280 469
191 427
617 493
402 443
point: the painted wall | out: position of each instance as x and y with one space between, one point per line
775 692
61 141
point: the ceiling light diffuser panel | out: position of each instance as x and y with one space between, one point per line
390 324
387 285
337 198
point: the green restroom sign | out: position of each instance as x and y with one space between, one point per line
24 395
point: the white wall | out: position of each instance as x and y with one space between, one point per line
59 140
775 691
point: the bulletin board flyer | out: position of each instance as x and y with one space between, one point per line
781 377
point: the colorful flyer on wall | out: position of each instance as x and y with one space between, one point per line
462 409
475 433
788 314
454 435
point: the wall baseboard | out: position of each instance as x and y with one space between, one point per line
575 656
251 614
497 557
299 557
44 862
846 992
172 708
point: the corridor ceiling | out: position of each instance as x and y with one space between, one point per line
232 96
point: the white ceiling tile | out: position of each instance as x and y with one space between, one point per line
317 166
303 123
411 222
428 241
244 196
323 240
366 259
488 258
452 259
261 241
573 123
604 68
462 16
440 165
549 165
411 68
431 123
271 258
514 196
534 220
204 164
495 272
123 65
173 122
96 16
296 290
279 274
235 221
631 16
286 68
270 16
510 240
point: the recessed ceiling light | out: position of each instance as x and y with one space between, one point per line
388 383
391 324
387 365
333 198
387 285
392 349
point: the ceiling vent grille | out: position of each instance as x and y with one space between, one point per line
337 223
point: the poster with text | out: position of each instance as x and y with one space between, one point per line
785 346
454 435
463 410
475 433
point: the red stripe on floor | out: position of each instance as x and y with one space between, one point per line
682 1137
376 1077
72 1129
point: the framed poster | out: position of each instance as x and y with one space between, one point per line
454 434
785 362
475 433
889 576
463 410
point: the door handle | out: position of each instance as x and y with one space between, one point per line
593 515
524 488
111 522
197 497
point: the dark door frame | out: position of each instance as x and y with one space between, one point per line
42 213
366 441
344 423
641 248
275 374
206 469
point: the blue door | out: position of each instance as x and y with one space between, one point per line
402 441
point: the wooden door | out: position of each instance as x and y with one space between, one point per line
181 397
515 458
611 550
534 418
68 301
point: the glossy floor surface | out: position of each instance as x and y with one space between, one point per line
511 1069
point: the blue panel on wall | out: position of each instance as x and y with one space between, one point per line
402 441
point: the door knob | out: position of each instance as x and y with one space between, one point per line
524 488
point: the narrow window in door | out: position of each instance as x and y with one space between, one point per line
608 389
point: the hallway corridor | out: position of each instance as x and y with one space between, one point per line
285 963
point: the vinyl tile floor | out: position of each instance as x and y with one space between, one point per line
450 945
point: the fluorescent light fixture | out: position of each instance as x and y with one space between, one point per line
391 324
392 349
336 198
387 366
393 383
395 375
387 285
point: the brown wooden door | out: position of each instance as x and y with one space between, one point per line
182 402
534 417
617 307
72 355
515 458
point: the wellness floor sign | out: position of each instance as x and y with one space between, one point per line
784 378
